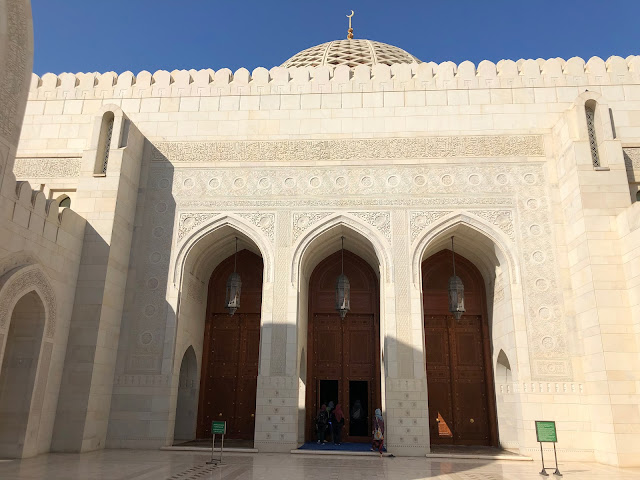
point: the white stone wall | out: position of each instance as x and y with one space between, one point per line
397 159
39 258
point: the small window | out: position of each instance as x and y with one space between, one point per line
591 129
65 202
638 196
104 144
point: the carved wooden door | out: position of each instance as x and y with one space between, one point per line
231 352
459 376
346 350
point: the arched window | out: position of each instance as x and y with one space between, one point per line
590 109
104 143
65 202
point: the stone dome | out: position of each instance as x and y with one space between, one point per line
351 53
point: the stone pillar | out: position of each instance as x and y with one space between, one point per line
592 197
108 202
405 392
16 62
277 393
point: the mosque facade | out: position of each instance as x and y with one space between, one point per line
129 202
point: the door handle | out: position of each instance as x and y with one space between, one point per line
253 415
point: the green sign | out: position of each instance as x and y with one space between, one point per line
218 427
546 431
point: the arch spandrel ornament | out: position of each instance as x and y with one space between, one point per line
209 225
373 235
21 280
440 224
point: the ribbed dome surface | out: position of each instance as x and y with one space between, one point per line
351 53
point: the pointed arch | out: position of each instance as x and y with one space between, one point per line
187 401
366 234
442 227
244 228
21 280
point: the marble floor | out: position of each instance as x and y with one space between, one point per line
161 465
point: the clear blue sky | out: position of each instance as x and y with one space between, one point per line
119 35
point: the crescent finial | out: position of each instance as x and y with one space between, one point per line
350 34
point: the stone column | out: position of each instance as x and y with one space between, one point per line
406 382
108 203
277 393
16 63
592 197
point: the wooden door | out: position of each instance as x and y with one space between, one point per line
343 350
230 359
459 375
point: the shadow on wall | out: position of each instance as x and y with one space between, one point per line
22 355
137 418
187 403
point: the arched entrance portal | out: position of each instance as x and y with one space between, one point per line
343 362
459 376
187 403
18 375
231 351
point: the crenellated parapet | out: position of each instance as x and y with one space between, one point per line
33 211
327 79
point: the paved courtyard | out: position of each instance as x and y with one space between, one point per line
161 465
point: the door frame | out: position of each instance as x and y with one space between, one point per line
375 381
437 310
215 302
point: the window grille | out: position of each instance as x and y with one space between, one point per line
107 146
591 129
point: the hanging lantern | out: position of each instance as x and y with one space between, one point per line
456 290
234 286
343 290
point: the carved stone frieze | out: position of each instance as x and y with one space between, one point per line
47 168
546 328
189 221
418 221
350 149
265 221
349 182
503 219
302 221
16 65
436 202
380 220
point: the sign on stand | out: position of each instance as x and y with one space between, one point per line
546 432
217 428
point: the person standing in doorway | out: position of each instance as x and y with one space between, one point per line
337 421
321 423
330 407
378 432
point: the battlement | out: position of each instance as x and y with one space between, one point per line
32 210
401 77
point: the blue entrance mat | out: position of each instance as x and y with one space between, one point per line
344 447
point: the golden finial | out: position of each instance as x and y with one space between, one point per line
350 34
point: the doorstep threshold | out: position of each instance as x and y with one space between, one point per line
481 456
176 448
344 453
